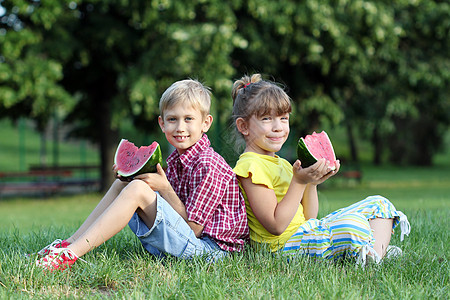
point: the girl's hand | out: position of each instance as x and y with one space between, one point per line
157 181
314 174
329 174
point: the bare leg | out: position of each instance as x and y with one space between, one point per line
109 197
137 196
382 230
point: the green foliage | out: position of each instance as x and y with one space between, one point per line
421 108
29 80
376 65
367 64
118 57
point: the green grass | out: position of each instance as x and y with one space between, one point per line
122 269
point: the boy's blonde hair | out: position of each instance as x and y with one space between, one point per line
188 91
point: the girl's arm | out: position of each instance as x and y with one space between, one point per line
310 202
275 216
310 199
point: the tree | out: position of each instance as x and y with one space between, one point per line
421 108
29 78
118 56
375 65
318 49
365 64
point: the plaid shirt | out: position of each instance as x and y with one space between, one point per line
209 189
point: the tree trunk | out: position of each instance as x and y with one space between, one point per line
352 144
108 143
377 147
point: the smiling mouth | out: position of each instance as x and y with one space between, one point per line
180 138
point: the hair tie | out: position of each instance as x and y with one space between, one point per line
247 85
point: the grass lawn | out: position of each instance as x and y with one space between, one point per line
122 269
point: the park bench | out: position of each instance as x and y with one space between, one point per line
350 173
48 180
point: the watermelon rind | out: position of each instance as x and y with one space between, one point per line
148 167
306 157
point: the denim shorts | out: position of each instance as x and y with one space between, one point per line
170 234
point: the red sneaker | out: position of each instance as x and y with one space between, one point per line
57 259
58 243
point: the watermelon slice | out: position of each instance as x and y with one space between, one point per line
314 147
131 160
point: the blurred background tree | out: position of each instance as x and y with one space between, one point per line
379 69
114 58
419 112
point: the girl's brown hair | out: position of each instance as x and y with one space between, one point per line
254 96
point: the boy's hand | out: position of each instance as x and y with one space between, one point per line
157 181
115 169
315 174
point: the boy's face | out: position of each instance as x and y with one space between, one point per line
184 125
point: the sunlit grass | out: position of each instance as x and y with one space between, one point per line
121 268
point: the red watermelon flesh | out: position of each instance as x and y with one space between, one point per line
131 160
314 147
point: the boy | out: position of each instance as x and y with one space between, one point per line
196 209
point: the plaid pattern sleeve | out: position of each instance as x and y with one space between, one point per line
208 187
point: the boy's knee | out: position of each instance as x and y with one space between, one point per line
141 191
119 184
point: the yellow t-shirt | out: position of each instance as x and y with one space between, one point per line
276 174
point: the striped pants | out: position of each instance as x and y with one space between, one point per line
345 232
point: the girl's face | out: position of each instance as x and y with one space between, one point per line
264 135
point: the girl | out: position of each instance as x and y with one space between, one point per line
281 199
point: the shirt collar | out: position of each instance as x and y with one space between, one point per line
191 153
